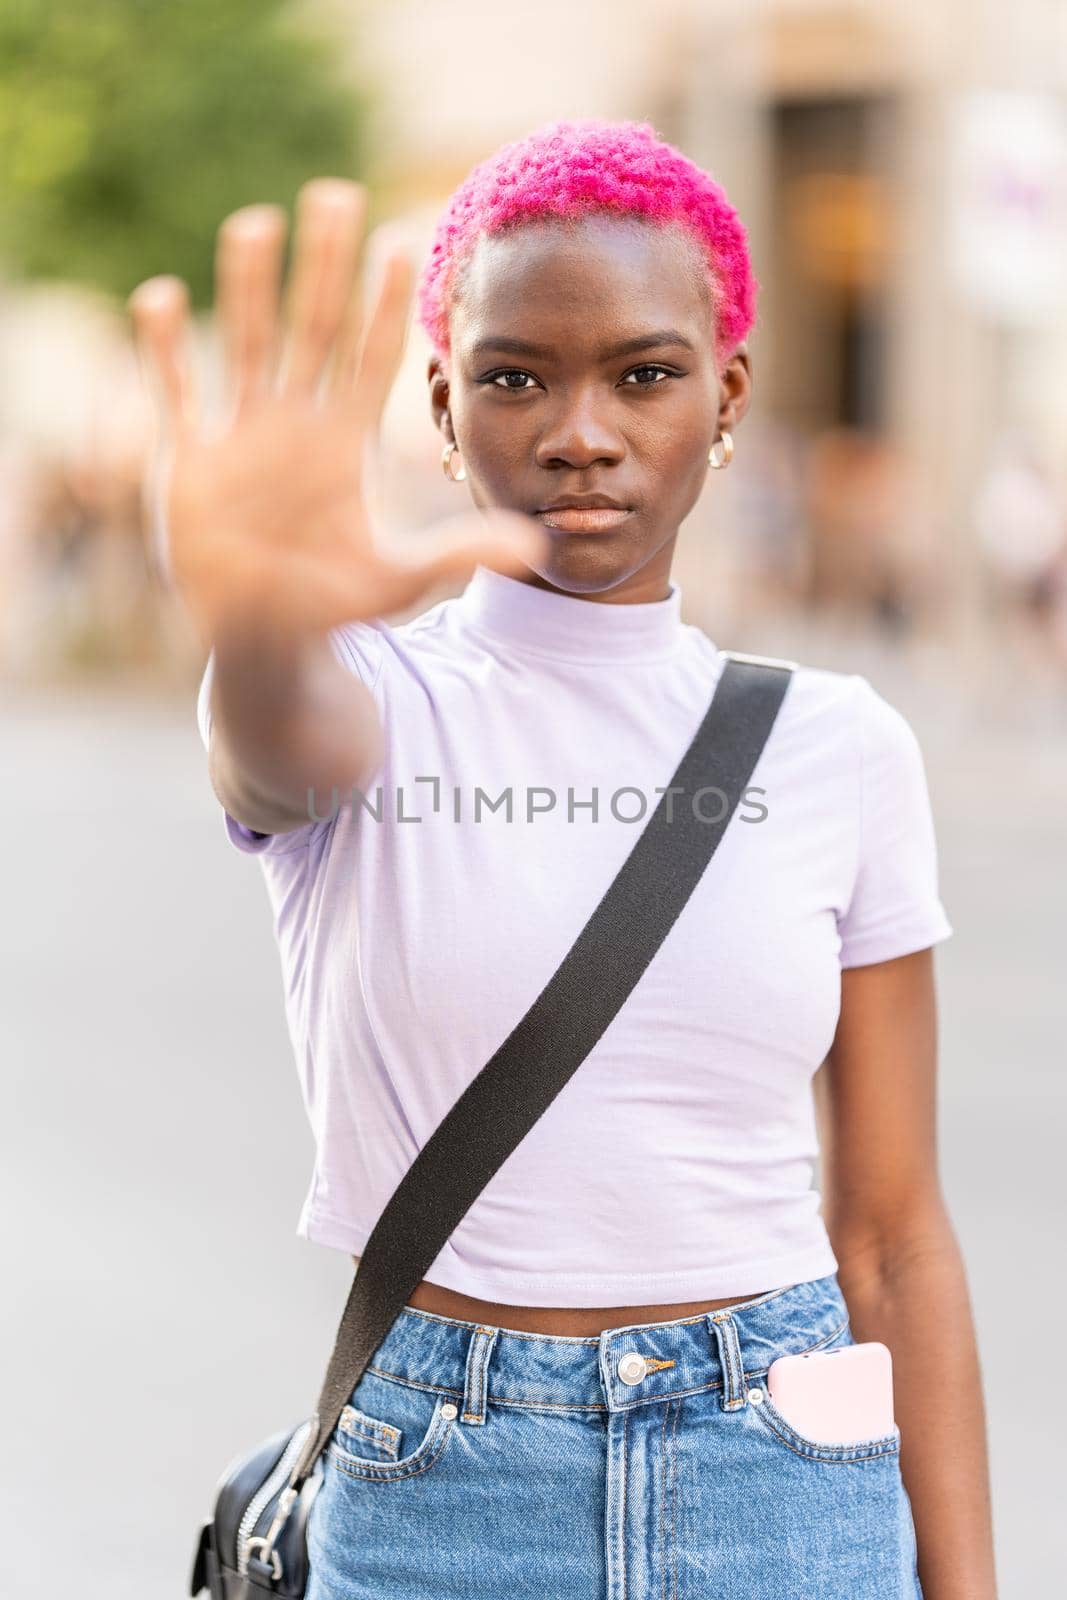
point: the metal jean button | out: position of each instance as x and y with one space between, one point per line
632 1367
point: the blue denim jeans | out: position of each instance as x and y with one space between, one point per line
481 1463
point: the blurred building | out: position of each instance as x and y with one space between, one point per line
902 174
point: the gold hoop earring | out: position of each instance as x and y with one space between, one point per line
446 463
724 459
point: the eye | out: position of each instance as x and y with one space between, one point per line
493 378
507 372
650 367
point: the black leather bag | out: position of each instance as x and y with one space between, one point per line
255 1543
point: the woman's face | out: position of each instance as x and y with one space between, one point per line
543 402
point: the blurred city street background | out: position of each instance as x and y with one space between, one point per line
897 506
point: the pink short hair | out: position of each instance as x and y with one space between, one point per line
572 168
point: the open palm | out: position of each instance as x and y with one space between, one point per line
264 518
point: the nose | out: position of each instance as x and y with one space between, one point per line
579 434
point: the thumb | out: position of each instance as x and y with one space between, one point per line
505 541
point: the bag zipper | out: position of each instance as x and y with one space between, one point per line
266 1492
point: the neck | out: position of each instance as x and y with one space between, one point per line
540 618
649 584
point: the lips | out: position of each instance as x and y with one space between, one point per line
584 519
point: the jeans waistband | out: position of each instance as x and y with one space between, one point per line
622 1367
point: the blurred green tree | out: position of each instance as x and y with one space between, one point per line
129 128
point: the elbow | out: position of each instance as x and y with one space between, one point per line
914 1236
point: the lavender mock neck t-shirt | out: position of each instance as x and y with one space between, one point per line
528 737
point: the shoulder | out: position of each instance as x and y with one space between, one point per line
819 703
367 647
847 695
862 734
884 733
839 717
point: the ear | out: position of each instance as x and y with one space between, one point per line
437 376
735 387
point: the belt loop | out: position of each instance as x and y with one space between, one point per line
474 1386
733 1373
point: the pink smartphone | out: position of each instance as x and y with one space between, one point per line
836 1396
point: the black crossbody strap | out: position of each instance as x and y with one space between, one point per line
518 1084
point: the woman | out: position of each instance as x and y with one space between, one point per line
574 1402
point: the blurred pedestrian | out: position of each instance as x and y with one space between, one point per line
1021 525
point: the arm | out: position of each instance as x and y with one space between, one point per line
261 525
900 1267
287 717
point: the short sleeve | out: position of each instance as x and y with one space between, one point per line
357 645
895 906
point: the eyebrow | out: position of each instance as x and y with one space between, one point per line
643 341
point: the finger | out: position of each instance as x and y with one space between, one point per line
248 265
330 216
382 346
346 351
159 311
507 542
392 582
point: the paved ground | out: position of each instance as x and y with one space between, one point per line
161 1316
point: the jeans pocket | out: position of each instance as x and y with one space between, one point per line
360 1434
391 1429
826 1450
819 1449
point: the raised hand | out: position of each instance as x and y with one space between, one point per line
263 516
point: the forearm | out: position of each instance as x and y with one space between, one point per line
917 1302
290 722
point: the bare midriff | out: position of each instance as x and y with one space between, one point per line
556 1319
